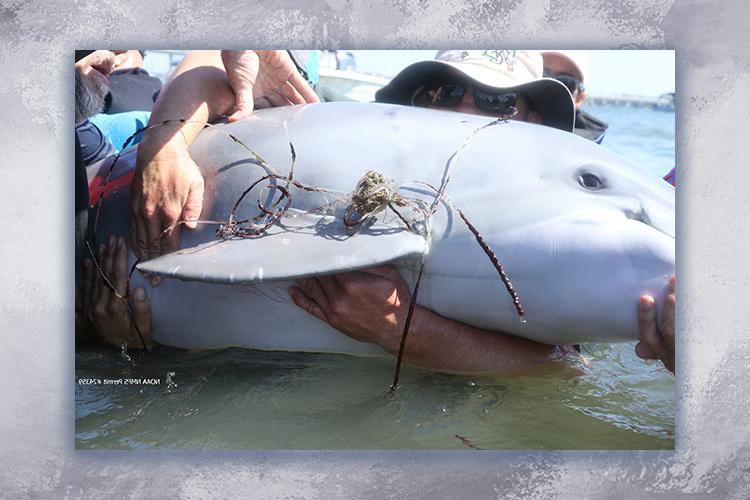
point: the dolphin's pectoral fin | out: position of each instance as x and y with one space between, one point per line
304 246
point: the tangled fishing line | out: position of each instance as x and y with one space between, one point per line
373 194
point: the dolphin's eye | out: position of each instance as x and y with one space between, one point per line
590 181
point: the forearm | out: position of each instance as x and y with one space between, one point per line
199 92
438 343
371 306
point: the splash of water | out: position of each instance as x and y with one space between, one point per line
171 384
124 352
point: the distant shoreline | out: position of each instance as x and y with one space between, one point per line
627 100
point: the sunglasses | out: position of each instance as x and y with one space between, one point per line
573 84
450 95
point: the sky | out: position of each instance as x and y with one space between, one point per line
611 72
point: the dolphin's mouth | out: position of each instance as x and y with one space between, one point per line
639 214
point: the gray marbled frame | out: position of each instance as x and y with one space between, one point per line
36 389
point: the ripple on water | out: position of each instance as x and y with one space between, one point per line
242 399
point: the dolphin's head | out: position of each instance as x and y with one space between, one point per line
581 232
605 181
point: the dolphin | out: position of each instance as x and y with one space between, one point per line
580 232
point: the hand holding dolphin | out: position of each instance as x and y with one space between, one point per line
168 186
372 305
369 305
277 84
657 334
106 313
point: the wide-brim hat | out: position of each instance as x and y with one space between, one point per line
496 70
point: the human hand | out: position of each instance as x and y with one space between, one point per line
369 305
107 313
96 66
127 59
657 337
167 188
91 83
264 78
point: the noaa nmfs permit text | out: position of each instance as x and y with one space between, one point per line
119 381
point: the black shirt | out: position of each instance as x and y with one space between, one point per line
590 127
131 89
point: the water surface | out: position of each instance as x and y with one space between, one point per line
244 399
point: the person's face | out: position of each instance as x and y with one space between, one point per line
557 66
464 98
523 111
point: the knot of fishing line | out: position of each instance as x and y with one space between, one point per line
373 194
232 229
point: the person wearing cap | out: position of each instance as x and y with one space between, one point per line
570 67
484 82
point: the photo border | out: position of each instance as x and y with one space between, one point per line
712 454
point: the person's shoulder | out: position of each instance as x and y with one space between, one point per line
590 127
589 120
94 144
87 127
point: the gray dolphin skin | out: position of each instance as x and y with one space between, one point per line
580 232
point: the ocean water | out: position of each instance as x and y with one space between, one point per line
643 136
245 399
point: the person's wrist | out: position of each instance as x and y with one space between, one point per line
415 339
162 150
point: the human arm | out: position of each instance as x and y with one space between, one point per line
96 66
168 186
106 314
371 306
657 334
91 83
